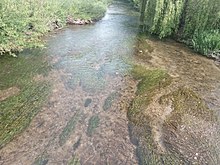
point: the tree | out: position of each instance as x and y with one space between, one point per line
143 8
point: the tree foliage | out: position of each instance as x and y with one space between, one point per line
194 21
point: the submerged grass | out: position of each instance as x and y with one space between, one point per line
68 129
18 111
178 146
185 101
93 124
149 82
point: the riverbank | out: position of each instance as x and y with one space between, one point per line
24 23
174 117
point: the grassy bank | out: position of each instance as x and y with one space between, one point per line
22 22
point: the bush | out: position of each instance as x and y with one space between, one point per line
194 21
207 41
23 22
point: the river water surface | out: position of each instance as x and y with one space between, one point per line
80 120
84 90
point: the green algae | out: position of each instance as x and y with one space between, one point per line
18 111
77 144
68 129
93 124
149 79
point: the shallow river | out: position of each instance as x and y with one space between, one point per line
78 121
77 91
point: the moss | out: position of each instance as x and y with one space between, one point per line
93 124
68 129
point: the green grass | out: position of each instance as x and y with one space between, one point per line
206 42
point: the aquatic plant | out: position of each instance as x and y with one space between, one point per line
68 129
93 124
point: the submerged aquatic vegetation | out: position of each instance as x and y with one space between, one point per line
93 124
42 160
18 110
68 129
171 137
74 161
149 82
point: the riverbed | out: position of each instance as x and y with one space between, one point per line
70 102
